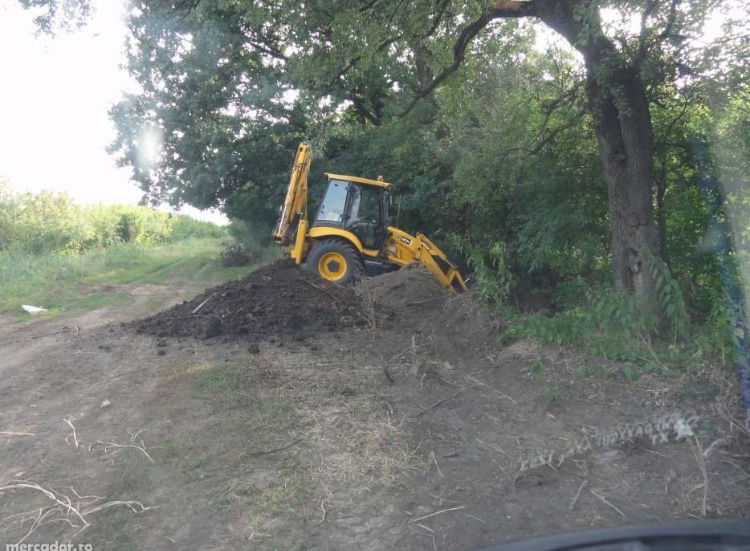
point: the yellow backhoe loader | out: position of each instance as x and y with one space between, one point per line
351 234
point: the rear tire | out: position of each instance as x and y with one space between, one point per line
336 261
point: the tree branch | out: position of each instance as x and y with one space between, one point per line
501 9
514 8
442 8
651 6
671 18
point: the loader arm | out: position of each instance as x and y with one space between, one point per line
294 210
403 248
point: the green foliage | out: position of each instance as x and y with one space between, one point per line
669 296
536 368
596 371
251 238
47 222
491 274
185 227
550 396
501 152
616 326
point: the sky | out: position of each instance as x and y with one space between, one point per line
54 100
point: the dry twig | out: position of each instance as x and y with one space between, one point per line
202 304
700 459
437 404
279 449
69 421
578 495
139 445
608 503
62 508
436 513
323 519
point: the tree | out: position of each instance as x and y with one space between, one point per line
619 71
215 76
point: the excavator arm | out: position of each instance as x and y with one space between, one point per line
294 210
403 248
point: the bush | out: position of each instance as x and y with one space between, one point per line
250 237
235 255
184 227
618 326
48 222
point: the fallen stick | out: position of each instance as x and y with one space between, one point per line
134 445
604 500
437 404
279 449
62 508
417 302
322 520
482 383
14 433
436 513
578 495
70 424
202 304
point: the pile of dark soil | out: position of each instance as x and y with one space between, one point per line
456 322
279 300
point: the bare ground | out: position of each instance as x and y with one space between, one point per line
407 433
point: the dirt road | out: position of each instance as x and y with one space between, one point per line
411 429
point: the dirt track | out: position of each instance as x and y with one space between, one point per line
407 432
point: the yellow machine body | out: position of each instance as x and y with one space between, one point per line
338 254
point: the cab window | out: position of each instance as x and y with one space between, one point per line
334 202
364 214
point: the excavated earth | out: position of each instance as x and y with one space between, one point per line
277 301
279 411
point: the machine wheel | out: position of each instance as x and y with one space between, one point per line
336 261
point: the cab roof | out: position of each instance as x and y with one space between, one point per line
358 180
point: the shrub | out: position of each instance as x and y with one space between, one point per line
49 222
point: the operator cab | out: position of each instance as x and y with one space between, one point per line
358 205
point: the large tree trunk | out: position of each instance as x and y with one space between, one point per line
618 103
623 131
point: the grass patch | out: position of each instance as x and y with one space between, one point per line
217 380
613 326
279 503
76 283
535 369
550 396
592 371
113 531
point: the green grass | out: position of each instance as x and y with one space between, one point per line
74 283
592 371
550 396
535 369
219 380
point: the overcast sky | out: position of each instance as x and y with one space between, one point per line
54 99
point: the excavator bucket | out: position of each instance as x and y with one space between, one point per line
432 258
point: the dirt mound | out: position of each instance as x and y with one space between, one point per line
278 300
454 321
